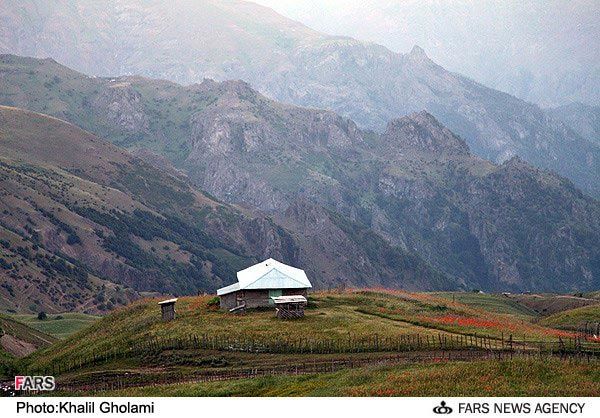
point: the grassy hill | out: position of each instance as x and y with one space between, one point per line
6 364
573 318
22 334
85 225
339 319
18 340
591 295
80 217
350 343
545 304
25 333
490 302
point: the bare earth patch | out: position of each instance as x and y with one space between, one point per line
15 346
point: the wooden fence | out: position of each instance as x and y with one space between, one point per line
103 382
373 344
590 329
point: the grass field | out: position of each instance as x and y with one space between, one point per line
6 360
25 333
479 378
592 295
60 325
546 304
20 339
467 314
573 318
490 302
331 316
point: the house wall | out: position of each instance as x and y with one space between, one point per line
255 298
228 301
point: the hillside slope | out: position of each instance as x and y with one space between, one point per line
187 41
417 185
580 319
584 119
87 226
19 340
494 378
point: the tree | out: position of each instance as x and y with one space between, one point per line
42 316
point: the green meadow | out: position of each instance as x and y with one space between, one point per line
58 325
478 378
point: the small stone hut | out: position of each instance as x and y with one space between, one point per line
259 284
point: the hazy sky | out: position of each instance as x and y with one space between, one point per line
541 50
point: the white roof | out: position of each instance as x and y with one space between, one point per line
268 274
289 299
164 302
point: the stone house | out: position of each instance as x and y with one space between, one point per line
258 284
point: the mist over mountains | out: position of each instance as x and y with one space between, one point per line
186 41
543 52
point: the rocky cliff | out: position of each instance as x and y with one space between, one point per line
414 185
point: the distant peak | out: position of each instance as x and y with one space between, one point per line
422 131
417 51
424 119
515 161
418 55
423 115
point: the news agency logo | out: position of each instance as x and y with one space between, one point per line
442 409
34 383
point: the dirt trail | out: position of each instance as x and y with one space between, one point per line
16 347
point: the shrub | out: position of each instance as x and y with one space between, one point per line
5 265
73 239
214 302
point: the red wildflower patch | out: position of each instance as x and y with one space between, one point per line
594 339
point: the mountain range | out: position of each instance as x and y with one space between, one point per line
409 207
187 41
87 226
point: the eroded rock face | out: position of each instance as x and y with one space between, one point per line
121 105
341 253
516 191
241 141
431 195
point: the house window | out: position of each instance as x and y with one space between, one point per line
273 294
